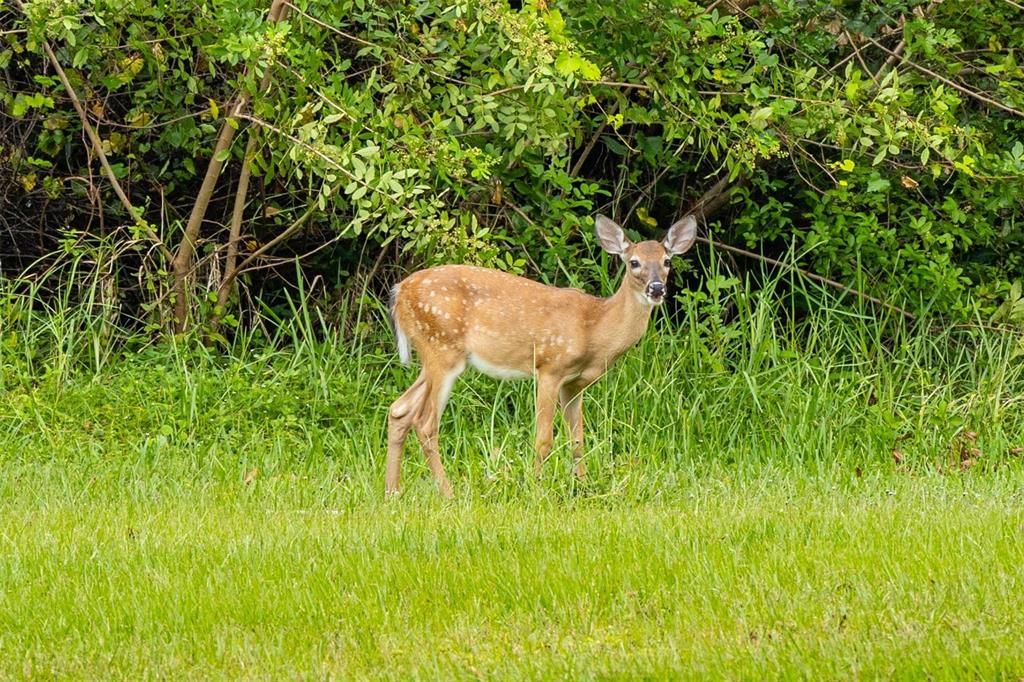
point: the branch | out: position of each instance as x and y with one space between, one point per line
258 253
235 231
182 264
578 166
97 145
956 86
716 197
887 66
809 275
238 210
860 59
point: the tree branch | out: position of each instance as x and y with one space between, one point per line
235 230
810 275
229 278
97 146
716 197
182 264
956 86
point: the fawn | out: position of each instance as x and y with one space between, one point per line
510 327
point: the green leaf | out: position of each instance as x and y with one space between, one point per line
589 70
358 167
877 184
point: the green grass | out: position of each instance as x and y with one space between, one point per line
753 579
174 512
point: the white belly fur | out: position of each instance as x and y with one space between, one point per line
496 371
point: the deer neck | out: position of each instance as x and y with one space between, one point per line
624 317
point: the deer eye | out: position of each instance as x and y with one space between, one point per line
634 263
667 262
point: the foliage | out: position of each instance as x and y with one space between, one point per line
487 133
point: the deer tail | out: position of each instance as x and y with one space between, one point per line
404 354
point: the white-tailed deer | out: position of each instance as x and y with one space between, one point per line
512 328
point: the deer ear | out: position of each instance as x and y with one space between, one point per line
613 239
681 236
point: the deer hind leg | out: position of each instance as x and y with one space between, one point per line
571 398
400 419
440 376
547 393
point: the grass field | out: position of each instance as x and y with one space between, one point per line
821 500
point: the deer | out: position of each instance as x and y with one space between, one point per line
510 327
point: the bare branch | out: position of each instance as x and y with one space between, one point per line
260 252
716 197
956 86
97 146
810 275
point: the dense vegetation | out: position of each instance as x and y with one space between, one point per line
204 203
881 143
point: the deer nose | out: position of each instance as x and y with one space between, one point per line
656 289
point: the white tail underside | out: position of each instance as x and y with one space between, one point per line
404 352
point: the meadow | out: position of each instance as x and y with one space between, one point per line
836 497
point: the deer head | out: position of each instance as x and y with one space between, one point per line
648 262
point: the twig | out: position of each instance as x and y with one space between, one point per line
576 167
619 84
522 214
856 51
956 86
810 275
258 253
97 145
716 197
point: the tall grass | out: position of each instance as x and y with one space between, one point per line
738 381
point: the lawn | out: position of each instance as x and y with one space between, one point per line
810 503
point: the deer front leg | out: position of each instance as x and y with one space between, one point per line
571 398
547 393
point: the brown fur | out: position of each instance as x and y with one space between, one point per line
454 314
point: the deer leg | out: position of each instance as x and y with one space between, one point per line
547 392
427 422
571 399
400 420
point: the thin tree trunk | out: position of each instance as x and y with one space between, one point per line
185 256
235 232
